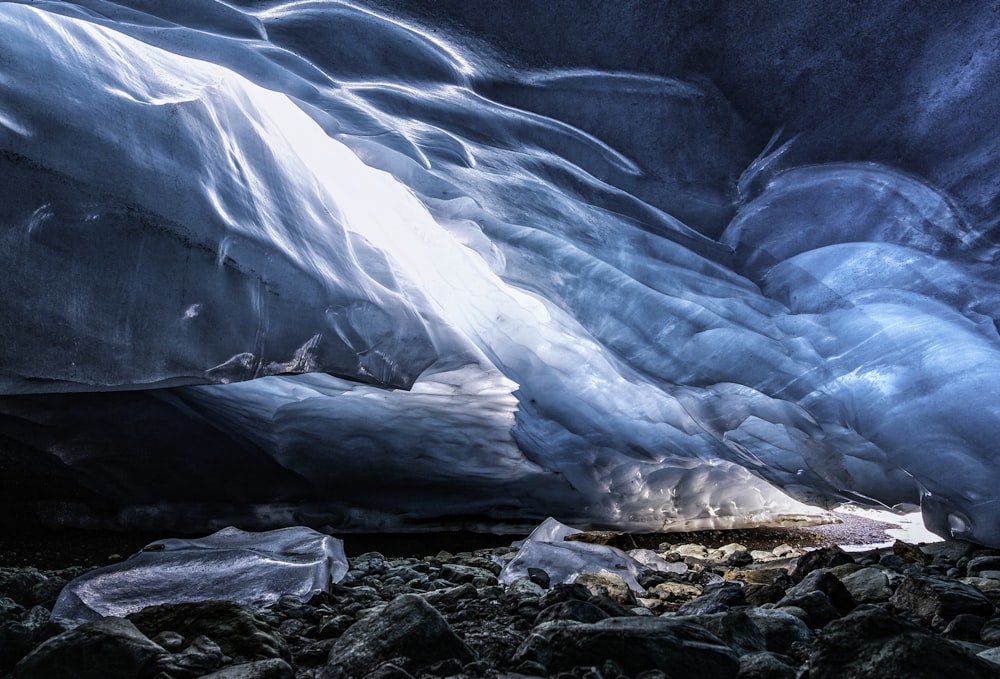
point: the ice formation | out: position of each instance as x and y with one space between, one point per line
251 569
318 263
565 560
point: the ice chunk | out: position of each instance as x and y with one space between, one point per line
564 561
251 569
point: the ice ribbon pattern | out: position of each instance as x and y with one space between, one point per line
425 289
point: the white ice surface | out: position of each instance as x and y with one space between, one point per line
564 561
251 569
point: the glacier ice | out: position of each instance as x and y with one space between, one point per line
251 569
564 560
385 278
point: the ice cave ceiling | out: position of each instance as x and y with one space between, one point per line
413 264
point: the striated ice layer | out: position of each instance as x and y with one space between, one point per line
504 294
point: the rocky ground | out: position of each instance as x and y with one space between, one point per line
750 604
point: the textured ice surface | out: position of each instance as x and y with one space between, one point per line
252 569
546 548
513 292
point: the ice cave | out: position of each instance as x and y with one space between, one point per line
409 265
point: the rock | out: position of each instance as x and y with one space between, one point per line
580 611
965 627
738 559
758 595
637 644
23 585
868 585
845 569
15 641
408 628
990 632
893 561
459 574
313 653
716 597
539 577
676 591
734 627
272 668
930 596
730 549
530 668
783 551
949 551
10 609
611 607
525 587
871 642
781 630
446 597
817 607
697 551
609 584
988 586
821 580
172 641
826 557
910 553
235 629
486 559
200 657
564 592
760 576
765 665
109 648
977 565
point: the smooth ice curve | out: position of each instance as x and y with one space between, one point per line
404 286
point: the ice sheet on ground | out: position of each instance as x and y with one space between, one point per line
251 569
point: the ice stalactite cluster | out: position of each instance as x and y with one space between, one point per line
366 276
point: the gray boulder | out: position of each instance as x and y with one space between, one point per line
821 580
868 585
109 648
982 563
579 611
765 665
934 596
826 557
408 631
872 642
816 607
236 630
272 668
637 644
715 598
780 628
734 627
